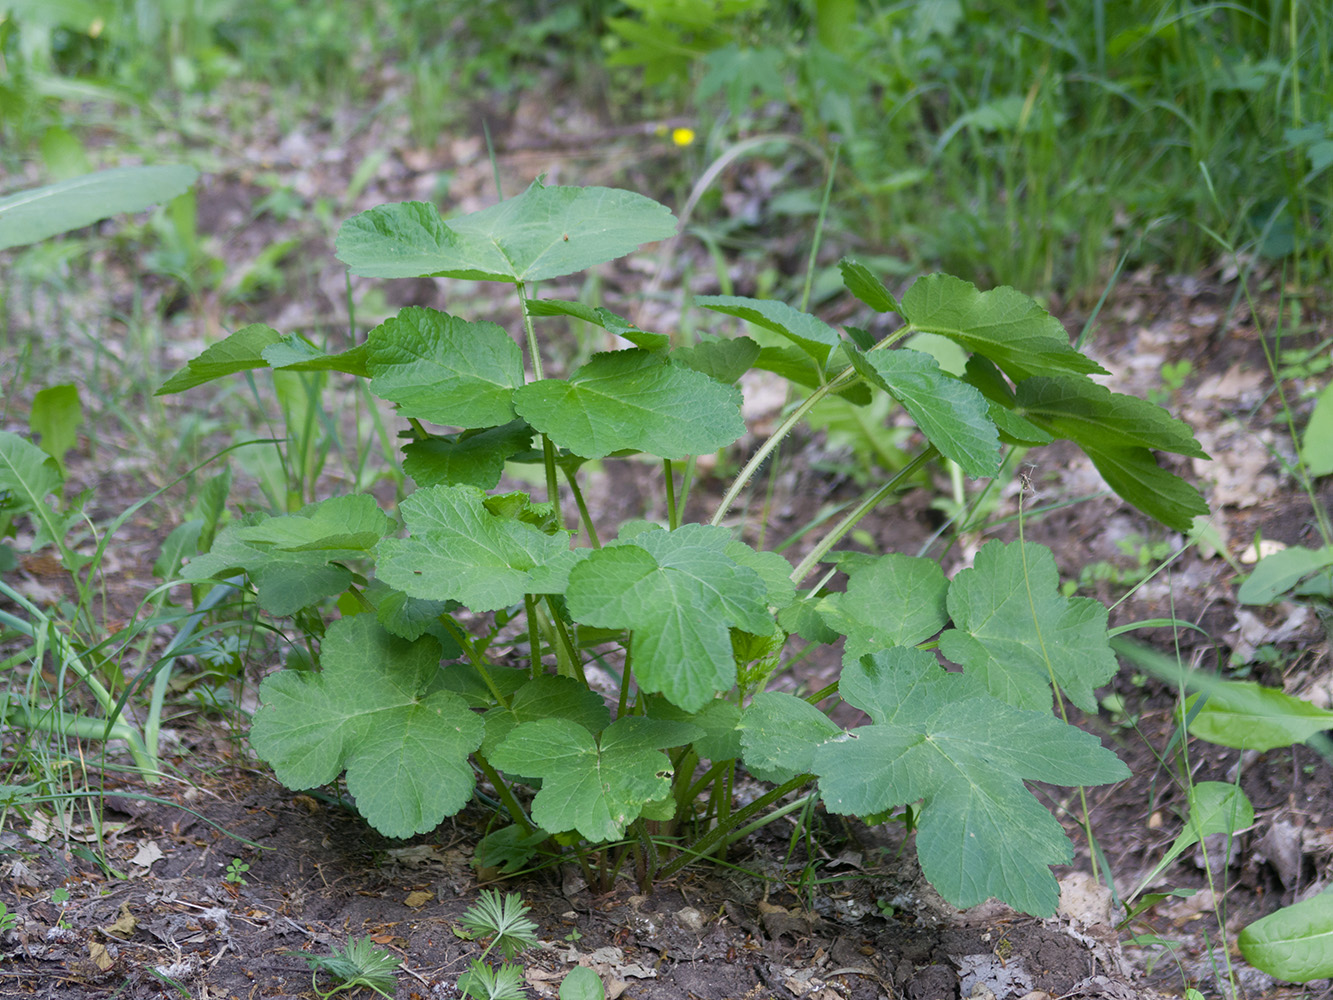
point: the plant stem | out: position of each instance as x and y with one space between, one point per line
717 836
673 514
478 662
584 516
855 514
506 795
548 449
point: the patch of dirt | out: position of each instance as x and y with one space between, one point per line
163 908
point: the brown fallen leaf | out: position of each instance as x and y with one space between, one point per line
99 956
124 926
419 898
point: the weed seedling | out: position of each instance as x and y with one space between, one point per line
505 922
361 963
236 870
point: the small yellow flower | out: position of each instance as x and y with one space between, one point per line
682 136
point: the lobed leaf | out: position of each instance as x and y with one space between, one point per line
546 697
953 415
596 785
468 458
376 711
545 232
892 600
444 369
780 734
940 738
459 550
1016 633
633 401
680 592
1003 324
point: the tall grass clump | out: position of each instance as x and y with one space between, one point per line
1034 144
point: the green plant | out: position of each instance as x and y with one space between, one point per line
504 920
236 869
8 921
695 622
358 964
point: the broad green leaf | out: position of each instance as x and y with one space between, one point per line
1016 633
952 414
605 318
1277 574
1317 441
725 359
56 416
294 561
468 458
1295 943
545 232
33 215
444 369
1014 429
595 785
1136 477
546 697
633 400
1249 716
30 476
780 733
1003 324
376 711
458 550
1092 415
813 336
894 600
239 352
581 983
862 283
680 592
938 737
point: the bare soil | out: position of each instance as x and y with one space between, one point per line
151 912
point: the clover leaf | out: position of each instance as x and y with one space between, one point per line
680 591
596 785
940 738
377 711
1018 634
